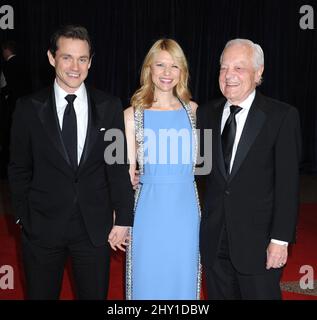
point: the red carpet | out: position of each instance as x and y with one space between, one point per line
303 253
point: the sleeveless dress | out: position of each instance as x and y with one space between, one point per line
163 261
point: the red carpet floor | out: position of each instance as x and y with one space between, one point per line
303 253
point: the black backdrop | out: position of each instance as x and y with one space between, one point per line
123 31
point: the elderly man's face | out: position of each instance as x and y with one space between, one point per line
238 76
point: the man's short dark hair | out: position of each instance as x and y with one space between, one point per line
70 32
11 45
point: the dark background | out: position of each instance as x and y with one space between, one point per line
124 30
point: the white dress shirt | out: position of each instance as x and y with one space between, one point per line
11 56
81 110
241 118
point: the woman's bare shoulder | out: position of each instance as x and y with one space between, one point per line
129 113
193 105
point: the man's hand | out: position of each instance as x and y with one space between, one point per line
276 256
136 179
119 237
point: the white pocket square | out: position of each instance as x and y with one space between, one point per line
102 129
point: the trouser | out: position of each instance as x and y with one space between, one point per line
225 282
44 267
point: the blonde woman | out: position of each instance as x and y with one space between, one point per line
163 259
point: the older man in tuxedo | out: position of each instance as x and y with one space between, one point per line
64 192
251 197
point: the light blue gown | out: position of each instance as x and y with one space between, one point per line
163 260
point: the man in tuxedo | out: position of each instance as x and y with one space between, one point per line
64 192
15 73
3 131
251 197
17 84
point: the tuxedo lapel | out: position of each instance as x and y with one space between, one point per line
95 115
252 127
48 116
217 140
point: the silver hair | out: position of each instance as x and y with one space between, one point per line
258 55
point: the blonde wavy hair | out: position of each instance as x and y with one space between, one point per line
144 96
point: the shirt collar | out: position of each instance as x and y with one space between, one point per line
11 56
246 104
60 95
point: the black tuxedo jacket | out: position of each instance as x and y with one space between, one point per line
46 190
258 201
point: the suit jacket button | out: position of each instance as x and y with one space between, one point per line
76 180
227 192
